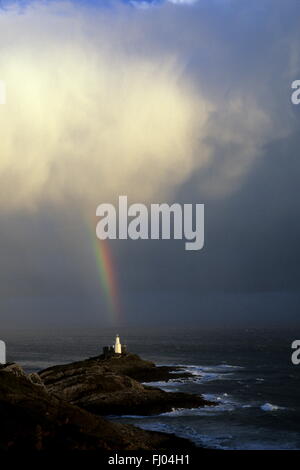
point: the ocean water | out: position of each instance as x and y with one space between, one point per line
247 372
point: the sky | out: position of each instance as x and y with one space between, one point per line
163 101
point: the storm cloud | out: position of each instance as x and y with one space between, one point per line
185 103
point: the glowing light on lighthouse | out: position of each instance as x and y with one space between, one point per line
118 347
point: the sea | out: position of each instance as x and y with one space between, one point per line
247 372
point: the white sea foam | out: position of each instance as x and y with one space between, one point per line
164 385
270 407
208 366
213 372
181 412
199 374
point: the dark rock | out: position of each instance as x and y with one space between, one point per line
106 387
33 419
36 379
141 370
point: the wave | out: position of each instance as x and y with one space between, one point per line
222 440
270 407
224 366
171 383
165 385
212 372
199 374
225 403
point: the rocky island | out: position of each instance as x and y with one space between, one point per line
62 407
109 386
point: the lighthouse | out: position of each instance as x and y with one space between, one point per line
118 346
117 349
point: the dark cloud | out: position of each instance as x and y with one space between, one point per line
242 57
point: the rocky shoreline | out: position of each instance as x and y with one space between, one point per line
110 386
63 406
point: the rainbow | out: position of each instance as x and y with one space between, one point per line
107 274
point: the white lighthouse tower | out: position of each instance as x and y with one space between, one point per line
118 346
